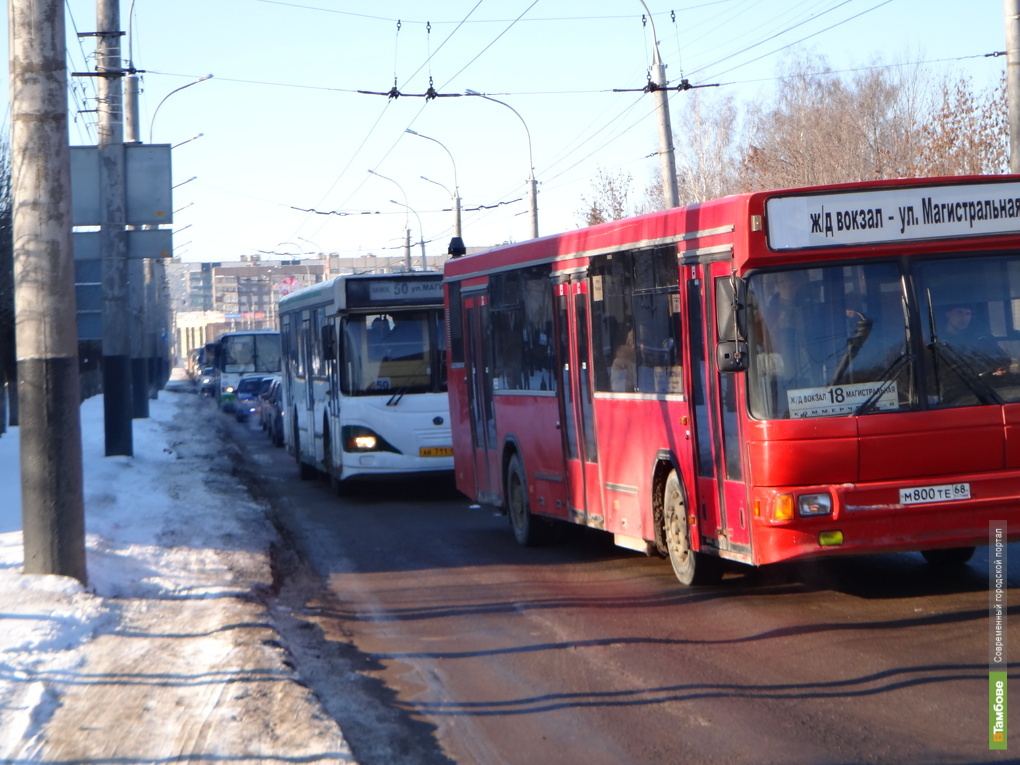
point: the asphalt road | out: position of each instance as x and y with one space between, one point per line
433 638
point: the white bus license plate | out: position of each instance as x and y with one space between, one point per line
435 451
948 492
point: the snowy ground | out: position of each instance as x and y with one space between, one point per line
167 655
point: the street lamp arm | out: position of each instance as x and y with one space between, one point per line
177 90
531 161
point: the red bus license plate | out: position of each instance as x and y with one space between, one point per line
948 492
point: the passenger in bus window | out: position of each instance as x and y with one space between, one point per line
982 353
622 373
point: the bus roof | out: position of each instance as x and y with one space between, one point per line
763 227
368 292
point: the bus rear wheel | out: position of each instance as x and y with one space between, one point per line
528 530
954 556
690 567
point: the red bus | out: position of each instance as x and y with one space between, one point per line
760 378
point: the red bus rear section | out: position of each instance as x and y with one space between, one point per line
759 378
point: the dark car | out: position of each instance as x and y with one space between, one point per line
272 412
247 391
209 383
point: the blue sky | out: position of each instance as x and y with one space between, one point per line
284 128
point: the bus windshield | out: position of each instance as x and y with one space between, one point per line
835 340
251 353
398 351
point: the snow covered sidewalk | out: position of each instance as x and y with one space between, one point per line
168 654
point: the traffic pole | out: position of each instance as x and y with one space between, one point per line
1012 19
52 496
117 325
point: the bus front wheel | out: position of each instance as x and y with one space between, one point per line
954 556
528 530
690 567
305 471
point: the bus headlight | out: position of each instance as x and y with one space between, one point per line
229 389
357 438
786 506
809 505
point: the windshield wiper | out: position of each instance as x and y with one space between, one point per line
399 394
958 365
888 378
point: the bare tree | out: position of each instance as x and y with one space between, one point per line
822 128
706 148
966 132
609 198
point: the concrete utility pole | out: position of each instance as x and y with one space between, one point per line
117 387
667 155
1012 8
52 501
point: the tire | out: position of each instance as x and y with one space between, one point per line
690 567
954 556
305 471
336 486
529 531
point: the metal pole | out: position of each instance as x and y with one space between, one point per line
1012 18
138 270
667 155
52 496
421 232
407 248
532 183
117 385
456 186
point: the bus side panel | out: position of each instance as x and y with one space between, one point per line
460 422
1011 422
632 433
533 424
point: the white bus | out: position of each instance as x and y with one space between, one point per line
364 377
244 353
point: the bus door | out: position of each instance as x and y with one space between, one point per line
576 400
721 495
478 380
331 357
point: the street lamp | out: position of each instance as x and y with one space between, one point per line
421 232
456 187
532 183
407 228
178 90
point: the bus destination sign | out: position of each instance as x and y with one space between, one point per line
885 216
366 293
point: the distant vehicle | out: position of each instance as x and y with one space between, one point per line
245 397
209 382
260 400
272 412
364 379
241 354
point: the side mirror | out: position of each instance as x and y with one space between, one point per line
730 308
731 356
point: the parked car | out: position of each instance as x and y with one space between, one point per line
260 401
272 412
209 383
246 393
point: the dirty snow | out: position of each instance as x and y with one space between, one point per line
167 654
